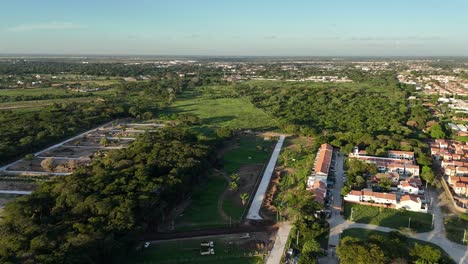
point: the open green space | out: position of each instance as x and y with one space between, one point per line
42 103
455 228
220 111
35 91
250 150
188 251
203 212
398 219
407 242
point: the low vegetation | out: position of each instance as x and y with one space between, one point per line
368 246
456 228
393 218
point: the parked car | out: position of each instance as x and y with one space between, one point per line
208 251
147 244
207 244
246 235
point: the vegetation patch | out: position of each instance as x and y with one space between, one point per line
203 212
226 251
224 110
369 246
398 219
456 227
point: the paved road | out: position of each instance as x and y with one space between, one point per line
254 210
280 243
14 192
336 219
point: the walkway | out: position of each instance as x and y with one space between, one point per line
254 210
280 243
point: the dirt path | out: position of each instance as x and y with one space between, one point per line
222 196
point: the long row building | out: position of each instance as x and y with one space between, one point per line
397 161
317 181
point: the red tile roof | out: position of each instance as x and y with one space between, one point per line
322 165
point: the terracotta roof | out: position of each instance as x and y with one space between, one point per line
408 197
322 164
355 193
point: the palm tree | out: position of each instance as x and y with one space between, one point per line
244 197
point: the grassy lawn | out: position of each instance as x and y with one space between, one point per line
420 222
203 212
251 150
188 251
455 228
236 113
363 234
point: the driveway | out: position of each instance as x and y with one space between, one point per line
254 210
280 243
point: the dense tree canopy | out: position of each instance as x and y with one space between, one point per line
92 215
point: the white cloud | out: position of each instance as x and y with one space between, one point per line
45 26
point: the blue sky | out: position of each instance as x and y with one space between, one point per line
236 27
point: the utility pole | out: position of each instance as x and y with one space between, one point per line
352 210
230 221
409 223
297 239
464 236
433 221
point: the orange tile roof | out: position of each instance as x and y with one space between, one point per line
408 197
322 165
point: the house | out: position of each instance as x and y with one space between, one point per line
460 188
319 189
323 160
406 187
411 203
376 197
398 154
353 196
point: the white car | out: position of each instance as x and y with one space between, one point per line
209 251
147 244
246 235
207 244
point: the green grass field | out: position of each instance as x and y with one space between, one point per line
188 251
251 150
202 212
363 234
236 113
455 228
398 219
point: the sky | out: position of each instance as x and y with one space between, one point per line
235 27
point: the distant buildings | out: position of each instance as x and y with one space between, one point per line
401 162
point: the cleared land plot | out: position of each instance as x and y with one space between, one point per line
398 219
206 210
34 165
249 150
70 152
456 227
203 211
236 113
247 159
363 234
228 250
